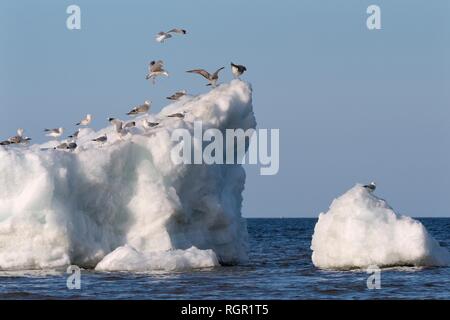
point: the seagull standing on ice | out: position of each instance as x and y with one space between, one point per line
54 133
148 124
237 70
155 69
177 95
177 115
370 187
85 121
143 108
102 139
212 78
19 138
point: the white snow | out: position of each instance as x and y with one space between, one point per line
59 208
360 230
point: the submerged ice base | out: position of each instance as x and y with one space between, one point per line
362 230
125 205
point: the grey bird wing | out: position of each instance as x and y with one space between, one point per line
201 72
216 74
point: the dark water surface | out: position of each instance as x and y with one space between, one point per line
280 268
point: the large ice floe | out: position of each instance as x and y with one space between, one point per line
361 230
125 205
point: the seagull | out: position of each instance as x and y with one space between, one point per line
148 124
55 133
5 143
155 69
143 108
102 139
130 124
237 70
72 146
85 121
162 36
74 135
19 138
212 78
177 95
370 187
61 146
176 115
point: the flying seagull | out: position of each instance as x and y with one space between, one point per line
162 36
212 78
237 70
55 133
155 69
177 95
370 187
85 121
143 108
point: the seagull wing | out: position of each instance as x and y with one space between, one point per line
202 72
216 74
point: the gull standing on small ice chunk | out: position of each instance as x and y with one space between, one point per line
143 108
155 69
148 124
54 133
370 187
212 78
85 121
102 139
177 95
237 70
177 115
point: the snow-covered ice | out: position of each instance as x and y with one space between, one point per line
125 205
360 230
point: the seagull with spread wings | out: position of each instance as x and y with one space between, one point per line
155 69
212 78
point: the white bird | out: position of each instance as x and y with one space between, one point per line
143 108
177 95
370 187
155 69
85 121
55 133
162 36
212 78
237 69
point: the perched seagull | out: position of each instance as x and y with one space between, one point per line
5 143
55 133
74 135
118 124
155 69
370 187
72 146
101 139
85 121
19 138
212 78
162 36
143 108
177 115
237 70
130 124
148 124
177 95
61 146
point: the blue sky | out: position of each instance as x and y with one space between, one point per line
352 105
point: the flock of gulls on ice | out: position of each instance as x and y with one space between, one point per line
155 69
